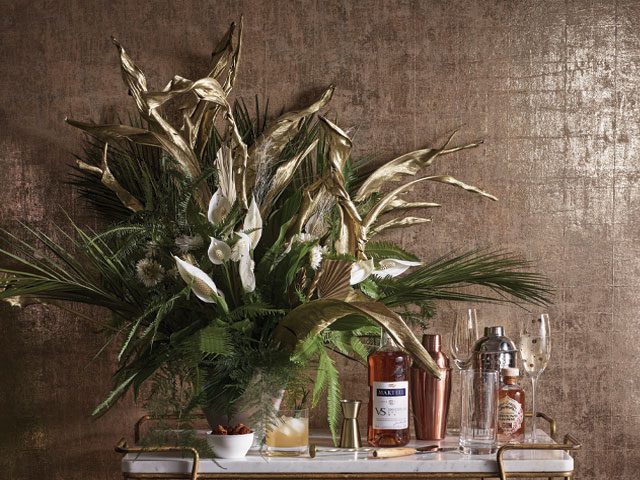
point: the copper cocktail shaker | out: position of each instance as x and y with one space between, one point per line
430 396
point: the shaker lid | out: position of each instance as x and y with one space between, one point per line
497 331
494 340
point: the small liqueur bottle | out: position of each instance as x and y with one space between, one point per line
388 395
511 408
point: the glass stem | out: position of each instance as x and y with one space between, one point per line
533 408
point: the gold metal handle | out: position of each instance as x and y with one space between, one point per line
122 447
553 426
393 452
569 444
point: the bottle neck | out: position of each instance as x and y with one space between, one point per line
510 380
386 341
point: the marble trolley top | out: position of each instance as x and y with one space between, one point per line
146 465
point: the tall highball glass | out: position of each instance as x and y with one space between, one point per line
479 416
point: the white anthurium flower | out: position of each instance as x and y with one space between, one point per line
219 252
361 270
392 267
252 224
201 284
219 207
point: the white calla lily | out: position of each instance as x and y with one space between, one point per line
201 284
241 253
219 207
252 224
219 252
247 276
361 270
392 267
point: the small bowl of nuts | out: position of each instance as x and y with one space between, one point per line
230 442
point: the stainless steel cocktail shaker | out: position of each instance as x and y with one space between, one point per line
494 351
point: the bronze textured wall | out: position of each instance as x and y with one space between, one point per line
552 87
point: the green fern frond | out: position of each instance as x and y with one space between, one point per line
333 394
359 348
214 340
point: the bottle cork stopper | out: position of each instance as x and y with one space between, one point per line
510 372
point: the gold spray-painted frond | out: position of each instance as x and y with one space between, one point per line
235 61
282 177
269 145
205 114
398 223
109 181
408 164
457 183
313 317
134 78
312 196
373 214
400 204
351 238
384 202
115 132
161 132
206 89
222 53
333 279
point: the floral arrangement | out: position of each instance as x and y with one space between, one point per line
238 251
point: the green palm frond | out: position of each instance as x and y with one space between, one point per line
509 278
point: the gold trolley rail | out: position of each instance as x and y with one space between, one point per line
569 444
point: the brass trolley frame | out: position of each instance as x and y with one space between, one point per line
569 444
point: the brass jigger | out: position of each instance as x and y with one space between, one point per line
350 434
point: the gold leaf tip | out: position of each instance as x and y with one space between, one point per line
329 91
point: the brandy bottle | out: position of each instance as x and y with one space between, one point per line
388 395
510 408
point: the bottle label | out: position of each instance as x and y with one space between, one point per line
510 415
390 405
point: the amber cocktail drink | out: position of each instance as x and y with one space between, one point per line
289 434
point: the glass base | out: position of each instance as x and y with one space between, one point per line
284 451
478 449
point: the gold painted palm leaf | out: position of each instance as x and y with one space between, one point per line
312 318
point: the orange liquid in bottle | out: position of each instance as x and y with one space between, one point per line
388 396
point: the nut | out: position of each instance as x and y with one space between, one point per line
239 429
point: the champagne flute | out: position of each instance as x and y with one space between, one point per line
535 350
463 337
465 334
